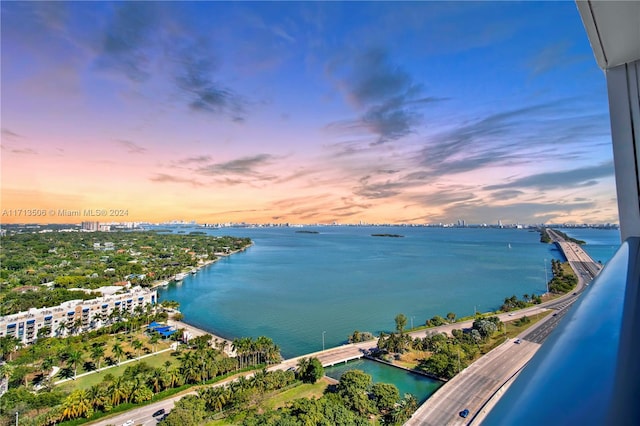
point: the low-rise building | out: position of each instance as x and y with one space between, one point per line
74 316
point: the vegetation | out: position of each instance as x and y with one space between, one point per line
564 279
544 236
355 400
360 336
513 303
442 356
29 371
46 269
309 370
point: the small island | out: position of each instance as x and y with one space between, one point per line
307 232
388 235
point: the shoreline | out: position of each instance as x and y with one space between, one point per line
162 283
192 329
195 332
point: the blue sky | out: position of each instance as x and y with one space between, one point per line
306 111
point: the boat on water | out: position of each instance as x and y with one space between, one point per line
179 277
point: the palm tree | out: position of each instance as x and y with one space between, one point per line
8 344
118 389
137 345
156 380
48 363
190 367
77 404
153 340
117 351
74 357
61 329
97 353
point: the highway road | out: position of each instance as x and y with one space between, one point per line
473 386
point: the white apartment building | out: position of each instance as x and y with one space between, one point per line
88 314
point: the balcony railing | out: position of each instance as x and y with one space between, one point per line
588 370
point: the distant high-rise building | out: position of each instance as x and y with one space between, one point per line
90 226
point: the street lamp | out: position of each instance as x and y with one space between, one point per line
323 340
546 279
412 322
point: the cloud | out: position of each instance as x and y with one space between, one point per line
585 176
480 212
126 43
197 159
27 151
512 137
132 147
241 166
553 57
388 96
194 76
509 194
162 177
6 133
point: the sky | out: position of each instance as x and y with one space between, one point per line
302 112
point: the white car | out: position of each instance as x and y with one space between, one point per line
128 423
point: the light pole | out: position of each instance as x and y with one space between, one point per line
412 322
323 340
546 279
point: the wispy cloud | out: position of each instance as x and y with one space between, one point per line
132 147
526 212
6 133
195 77
26 151
554 56
162 178
510 194
389 96
126 42
241 166
585 176
197 159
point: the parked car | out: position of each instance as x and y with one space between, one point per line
159 412
464 413
128 423
517 341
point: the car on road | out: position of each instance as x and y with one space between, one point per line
128 423
158 413
464 413
517 341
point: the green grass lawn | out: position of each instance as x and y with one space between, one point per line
304 390
280 399
89 380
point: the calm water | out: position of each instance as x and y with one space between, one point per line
293 286
419 386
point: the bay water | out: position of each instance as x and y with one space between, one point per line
302 288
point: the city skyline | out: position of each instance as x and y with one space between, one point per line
304 113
